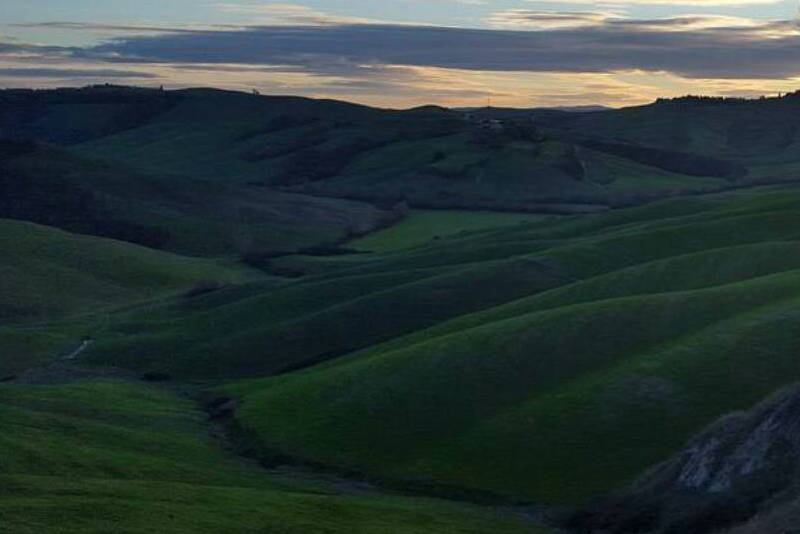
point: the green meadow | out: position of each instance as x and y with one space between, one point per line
100 456
422 226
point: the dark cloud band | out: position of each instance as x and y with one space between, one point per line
743 52
44 72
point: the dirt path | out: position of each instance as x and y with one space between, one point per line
77 352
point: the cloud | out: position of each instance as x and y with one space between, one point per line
15 47
45 72
125 29
532 19
678 3
697 47
287 14
546 20
530 57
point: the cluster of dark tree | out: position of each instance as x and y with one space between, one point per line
92 94
669 160
12 148
700 99
20 109
321 162
569 162
499 133
335 151
57 202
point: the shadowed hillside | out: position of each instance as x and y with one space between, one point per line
431 157
50 185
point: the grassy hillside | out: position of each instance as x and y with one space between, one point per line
69 116
754 132
265 334
96 456
48 185
48 273
431 157
58 288
636 375
421 226
539 161
637 285
482 360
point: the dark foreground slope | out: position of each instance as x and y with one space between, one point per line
743 465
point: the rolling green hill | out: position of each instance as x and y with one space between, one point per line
100 455
49 185
421 226
529 161
48 273
431 157
602 286
635 326
55 287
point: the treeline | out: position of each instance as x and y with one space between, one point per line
701 99
670 160
27 113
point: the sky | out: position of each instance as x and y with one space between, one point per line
404 53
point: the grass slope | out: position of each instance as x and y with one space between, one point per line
516 390
100 456
51 186
48 273
422 226
429 156
57 288
553 358
635 327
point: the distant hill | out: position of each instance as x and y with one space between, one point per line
52 185
569 109
530 160
579 109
